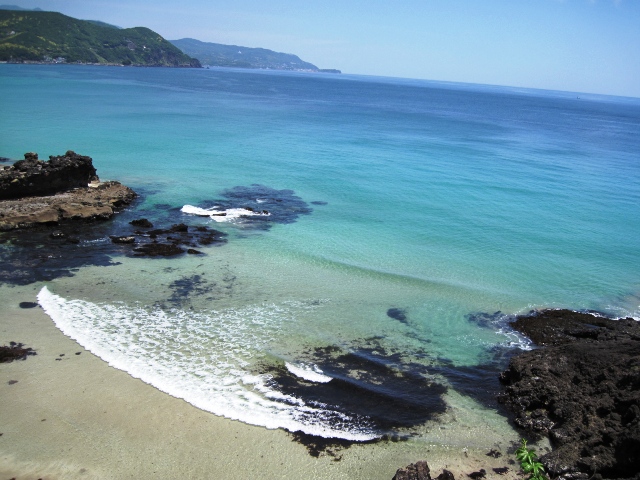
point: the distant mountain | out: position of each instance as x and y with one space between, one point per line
51 37
104 24
219 55
15 7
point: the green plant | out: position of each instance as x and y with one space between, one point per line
529 463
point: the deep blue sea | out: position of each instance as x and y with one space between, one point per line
407 222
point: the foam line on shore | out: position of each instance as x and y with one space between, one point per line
203 358
310 373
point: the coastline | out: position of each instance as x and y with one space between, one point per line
73 416
91 413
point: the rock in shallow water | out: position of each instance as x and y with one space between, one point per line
87 204
33 192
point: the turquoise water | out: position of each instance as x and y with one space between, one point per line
437 200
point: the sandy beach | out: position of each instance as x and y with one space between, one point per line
67 414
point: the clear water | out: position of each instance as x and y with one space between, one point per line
436 200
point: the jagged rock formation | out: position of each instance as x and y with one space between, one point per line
66 188
31 177
582 389
420 471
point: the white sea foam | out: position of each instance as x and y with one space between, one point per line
312 373
203 358
221 215
515 339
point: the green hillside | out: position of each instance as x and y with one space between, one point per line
53 37
216 54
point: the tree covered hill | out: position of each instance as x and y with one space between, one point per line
38 36
216 54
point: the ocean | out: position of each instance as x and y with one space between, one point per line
380 234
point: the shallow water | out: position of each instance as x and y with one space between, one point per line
406 221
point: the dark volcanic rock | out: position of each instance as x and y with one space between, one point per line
28 305
446 475
415 471
158 250
31 177
420 471
142 223
582 389
165 241
478 475
123 240
66 188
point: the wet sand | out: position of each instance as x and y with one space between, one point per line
67 414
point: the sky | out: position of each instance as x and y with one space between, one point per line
590 46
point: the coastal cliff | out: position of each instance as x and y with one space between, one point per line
51 37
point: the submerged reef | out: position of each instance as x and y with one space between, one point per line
256 207
582 390
53 219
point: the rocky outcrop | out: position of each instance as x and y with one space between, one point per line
169 242
582 389
66 188
97 202
33 177
420 471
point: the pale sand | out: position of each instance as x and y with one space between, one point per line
79 418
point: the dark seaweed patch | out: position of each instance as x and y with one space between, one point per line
283 206
486 320
43 254
368 385
399 314
196 285
15 351
322 445
34 255
386 391
480 382
187 286
162 206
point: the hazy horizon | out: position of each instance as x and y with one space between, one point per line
583 46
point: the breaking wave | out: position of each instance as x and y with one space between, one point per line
204 358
